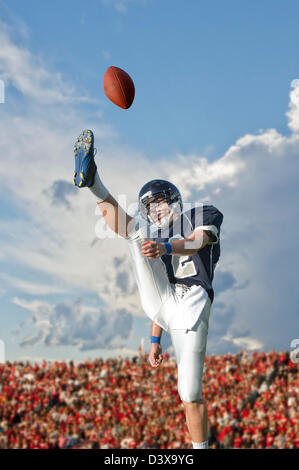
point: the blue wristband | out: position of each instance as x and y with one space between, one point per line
155 339
168 247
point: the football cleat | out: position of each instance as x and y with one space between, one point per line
85 167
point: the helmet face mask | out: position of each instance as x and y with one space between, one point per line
160 203
159 213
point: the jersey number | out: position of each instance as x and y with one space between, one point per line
183 267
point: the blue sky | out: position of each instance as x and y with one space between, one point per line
213 86
205 73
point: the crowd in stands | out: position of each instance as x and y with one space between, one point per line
252 402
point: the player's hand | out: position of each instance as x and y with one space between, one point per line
155 355
152 249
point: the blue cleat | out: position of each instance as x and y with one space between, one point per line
85 167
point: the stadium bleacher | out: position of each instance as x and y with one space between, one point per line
252 402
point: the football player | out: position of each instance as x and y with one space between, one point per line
174 255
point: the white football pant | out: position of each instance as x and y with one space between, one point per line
185 318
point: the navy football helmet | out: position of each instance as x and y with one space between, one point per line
164 191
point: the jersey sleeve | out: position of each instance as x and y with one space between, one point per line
209 219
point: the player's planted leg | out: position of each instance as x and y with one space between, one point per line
190 350
197 423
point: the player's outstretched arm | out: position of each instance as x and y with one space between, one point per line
184 247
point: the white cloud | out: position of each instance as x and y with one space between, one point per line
28 74
251 344
32 288
293 113
72 324
256 182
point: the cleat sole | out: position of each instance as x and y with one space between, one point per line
85 166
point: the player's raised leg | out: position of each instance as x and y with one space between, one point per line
151 276
86 175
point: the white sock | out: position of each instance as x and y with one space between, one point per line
200 445
98 189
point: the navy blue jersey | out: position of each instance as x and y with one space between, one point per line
199 268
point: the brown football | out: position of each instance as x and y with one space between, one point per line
119 87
